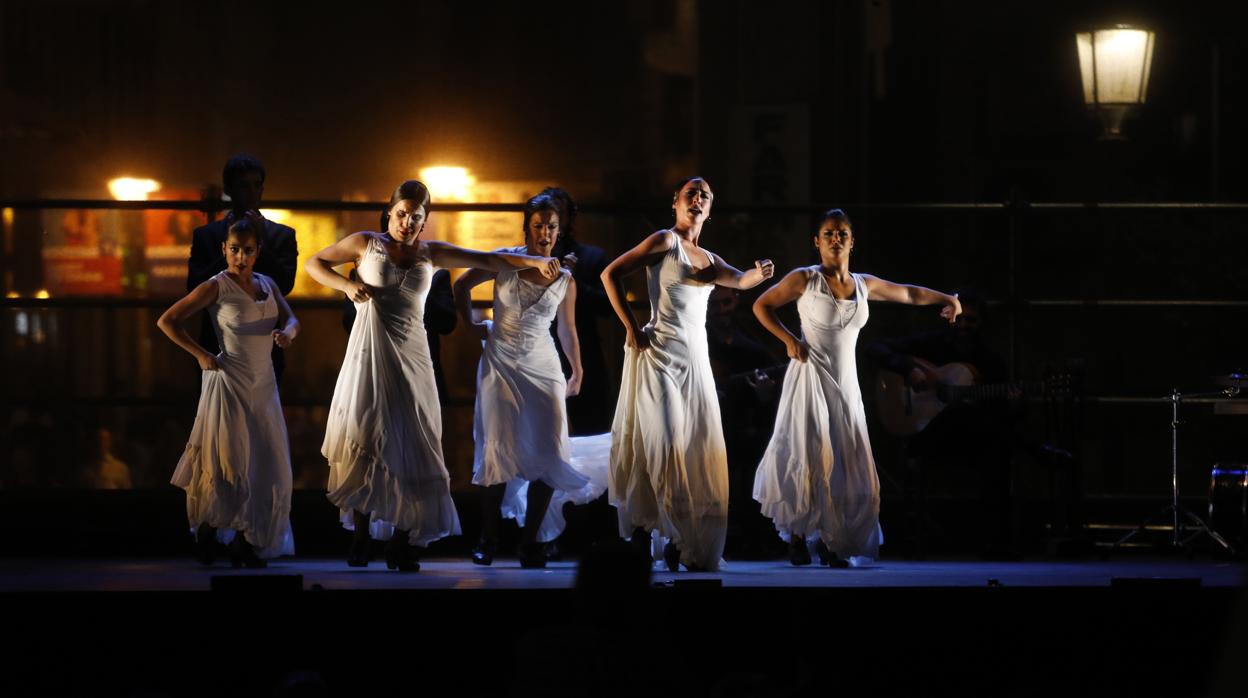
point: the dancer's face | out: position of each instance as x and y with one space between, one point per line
240 252
542 232
407 221
693 203
834 240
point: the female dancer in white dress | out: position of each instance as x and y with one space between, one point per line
236 467
523 454
669 468
384 437
817 480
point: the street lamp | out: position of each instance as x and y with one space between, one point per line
1114 64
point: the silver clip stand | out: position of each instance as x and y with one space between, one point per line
1185 526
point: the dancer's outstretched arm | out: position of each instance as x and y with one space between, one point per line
448 256
730 276
908 294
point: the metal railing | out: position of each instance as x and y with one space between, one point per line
1007 223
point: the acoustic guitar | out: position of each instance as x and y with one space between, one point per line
904 411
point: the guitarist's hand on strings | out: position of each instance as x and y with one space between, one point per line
1014 394
921 378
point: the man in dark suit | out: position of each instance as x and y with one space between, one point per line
591 411
243 182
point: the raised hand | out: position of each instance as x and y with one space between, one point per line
951 309
765 267
549 266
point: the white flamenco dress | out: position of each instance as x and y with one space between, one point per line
236 466
817 478
384 437
520 424
668 463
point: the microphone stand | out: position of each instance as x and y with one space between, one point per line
1175 512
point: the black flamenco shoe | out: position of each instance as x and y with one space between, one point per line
532 556
206 544
360 552
553 553
357 555
242 554
829 558
641 542
799 554
671 557
483 554
400 556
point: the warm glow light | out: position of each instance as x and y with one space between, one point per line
43 293
448 183
1114 64
12 294
132 188
8 217
277 215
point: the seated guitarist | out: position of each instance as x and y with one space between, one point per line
976 433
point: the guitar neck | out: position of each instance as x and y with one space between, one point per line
990 391
986 391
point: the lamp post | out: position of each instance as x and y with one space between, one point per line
1114 63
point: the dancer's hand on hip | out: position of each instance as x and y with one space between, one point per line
797 349
358 291
638 340
207 362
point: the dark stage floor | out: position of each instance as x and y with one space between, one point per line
34 575
1174 627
